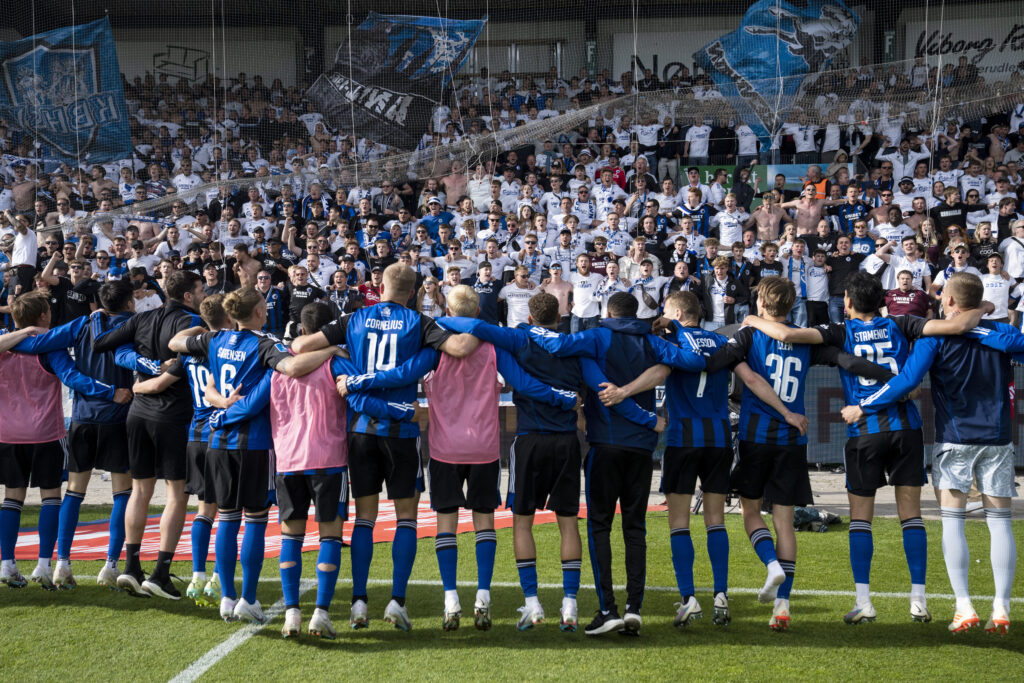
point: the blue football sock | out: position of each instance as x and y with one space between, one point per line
201 528
570 577
528 576
117 524
915 547
862 548
49 519
10 522
761 539
786 587
252 554
362 555
718 553
68 522
291 552
486 547
327 579
682 560
226 547
447 549
403 556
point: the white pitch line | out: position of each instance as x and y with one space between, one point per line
237 639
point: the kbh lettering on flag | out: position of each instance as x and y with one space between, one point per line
64 88
392 75
760 66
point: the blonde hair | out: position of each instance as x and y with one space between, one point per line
399 281
463 301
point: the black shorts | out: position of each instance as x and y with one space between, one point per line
376 460
238 479
32 465
195 469
97 446
869 458
544 474
682 465
328 491
482 482
156 450
773 471
25 276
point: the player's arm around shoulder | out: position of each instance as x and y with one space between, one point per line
783 332
192 340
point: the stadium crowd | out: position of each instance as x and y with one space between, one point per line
615 230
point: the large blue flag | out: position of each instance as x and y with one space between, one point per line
760 66
398 70
64 87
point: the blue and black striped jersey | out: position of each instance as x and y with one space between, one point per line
239 358
197 372
277 312
698 402
782 365
970 383
380 338
885 342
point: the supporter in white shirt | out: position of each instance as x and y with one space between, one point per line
517 295
492 254
586 302
730 221
693 183
605 193
1012 249
651 285
234 236
580 177
999 288
945 173
550 202
747 145
479 188
910 260
586 210
960 255
618 240
903 195
531 258
610 284
895 229
563 251
668 198
696 142
974 180
186 180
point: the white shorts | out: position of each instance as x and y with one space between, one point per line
957 466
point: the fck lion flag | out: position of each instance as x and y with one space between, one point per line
760 66
398 68
64 88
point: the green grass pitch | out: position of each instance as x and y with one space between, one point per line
95 634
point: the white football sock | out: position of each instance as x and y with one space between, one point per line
1003 551
954 550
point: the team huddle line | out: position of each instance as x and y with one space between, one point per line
226 412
